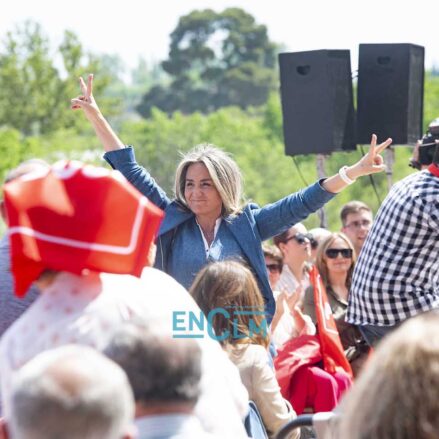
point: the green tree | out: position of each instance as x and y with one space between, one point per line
34 92
215 60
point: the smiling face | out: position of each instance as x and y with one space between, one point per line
340 264
200 193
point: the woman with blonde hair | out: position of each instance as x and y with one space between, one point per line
228 294
207 220
336 261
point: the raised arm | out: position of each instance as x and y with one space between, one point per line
275 218
117 155
87 103
371 163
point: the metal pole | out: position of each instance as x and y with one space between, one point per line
320 163
389 159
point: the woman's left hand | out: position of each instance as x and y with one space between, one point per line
372 162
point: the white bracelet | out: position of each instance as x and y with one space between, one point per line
344 176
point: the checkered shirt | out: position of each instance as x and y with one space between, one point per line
397 273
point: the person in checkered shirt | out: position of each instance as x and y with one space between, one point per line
397 274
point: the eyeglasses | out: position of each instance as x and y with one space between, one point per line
357 224
332 253
301 238
274 268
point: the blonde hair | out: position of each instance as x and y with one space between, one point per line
223 171
230 285
321 257
396 395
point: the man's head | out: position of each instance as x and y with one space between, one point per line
164 372
72 392
356 218
22 169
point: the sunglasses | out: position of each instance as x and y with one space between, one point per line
332 253
301 238
274 268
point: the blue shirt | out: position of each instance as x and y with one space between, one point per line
248 228
188 240
11 306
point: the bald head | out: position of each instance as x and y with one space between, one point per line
71 392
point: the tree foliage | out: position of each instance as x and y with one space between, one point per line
37 83
215 60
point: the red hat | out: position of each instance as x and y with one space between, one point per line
73 217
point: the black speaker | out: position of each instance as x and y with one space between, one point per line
390 92
317 101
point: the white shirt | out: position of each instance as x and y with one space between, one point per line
89 309
171 426
288 282
215 231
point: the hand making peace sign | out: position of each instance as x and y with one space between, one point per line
372 162
86 101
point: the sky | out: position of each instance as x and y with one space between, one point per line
141 28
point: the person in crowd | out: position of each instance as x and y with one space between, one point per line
289 320
317 235
295 245
227 291
165 374
208 220
356 219
69 234
72 392
397 273
335 262
395 397
11 307
273 262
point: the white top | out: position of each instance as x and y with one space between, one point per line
286 327
215 231
288 282
171 426
88 309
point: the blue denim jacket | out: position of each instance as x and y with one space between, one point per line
252 226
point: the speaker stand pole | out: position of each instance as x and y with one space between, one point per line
389 159
320 162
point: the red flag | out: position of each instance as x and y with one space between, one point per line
334 359
295 353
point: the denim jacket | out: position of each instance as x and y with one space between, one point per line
252 226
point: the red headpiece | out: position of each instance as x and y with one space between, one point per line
74 217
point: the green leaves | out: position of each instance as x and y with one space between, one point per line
215 60
37 83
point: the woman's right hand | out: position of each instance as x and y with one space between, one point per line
86 101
